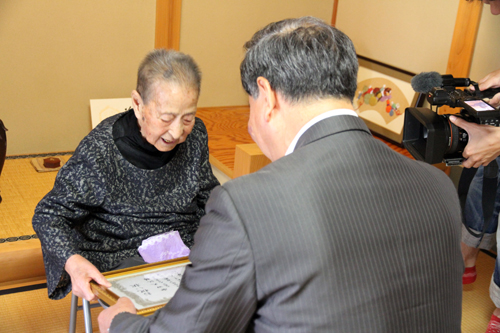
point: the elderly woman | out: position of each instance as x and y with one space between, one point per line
137 174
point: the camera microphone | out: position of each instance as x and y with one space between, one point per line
425 81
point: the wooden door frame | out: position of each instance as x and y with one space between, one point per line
464 37
168 24
334 13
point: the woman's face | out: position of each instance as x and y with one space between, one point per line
169 116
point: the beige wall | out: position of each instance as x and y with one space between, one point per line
412 35
486 54
57 55
213 32
416 35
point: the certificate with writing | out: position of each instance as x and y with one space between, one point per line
149 287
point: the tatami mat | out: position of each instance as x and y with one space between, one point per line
33 312
21 188
477 305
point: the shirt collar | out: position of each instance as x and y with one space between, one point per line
317 119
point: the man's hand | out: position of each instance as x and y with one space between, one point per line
484 140
105 317
82 272
491 80
484 143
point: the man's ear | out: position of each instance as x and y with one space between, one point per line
137 104
269 98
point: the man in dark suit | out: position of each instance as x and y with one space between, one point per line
338 234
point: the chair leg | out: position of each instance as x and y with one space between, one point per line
87 316
72 316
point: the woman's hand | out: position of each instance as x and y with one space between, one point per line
82 272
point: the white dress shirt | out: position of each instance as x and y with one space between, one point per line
317 119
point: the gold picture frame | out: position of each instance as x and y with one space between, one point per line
383 93
149 286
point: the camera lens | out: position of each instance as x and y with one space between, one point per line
457 138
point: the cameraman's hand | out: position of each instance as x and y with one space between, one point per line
495 101
491 80
82 272
484 143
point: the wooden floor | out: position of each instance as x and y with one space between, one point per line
226 127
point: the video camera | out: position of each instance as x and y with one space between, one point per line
433 138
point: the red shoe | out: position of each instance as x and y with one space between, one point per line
470 275
493 325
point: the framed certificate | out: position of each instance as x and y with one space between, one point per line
149 286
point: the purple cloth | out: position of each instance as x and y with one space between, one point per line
163 247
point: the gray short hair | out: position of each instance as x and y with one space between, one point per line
169 66
303 59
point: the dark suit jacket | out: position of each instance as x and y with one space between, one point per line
343 235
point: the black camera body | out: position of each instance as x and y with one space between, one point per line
433 138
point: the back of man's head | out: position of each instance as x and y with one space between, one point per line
303 59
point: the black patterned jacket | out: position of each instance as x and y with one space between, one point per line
102 206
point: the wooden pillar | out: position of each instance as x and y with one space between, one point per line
463 43
464 37
168 24
334 14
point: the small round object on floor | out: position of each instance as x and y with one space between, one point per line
51 162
